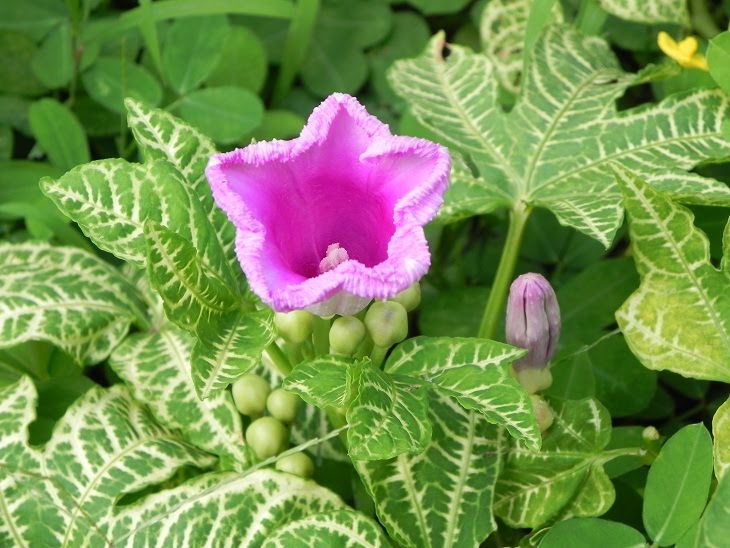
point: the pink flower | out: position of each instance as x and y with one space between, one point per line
334 218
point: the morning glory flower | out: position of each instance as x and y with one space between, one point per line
333 218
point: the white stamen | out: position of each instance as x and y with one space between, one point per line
335 256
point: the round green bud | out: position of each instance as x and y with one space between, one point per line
298 464
346 335
295 326
544 414
283 405
387 323
267 437
410 298
249 394
650 433
534 380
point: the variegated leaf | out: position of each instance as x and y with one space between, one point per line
336 528
156 366
468 196
231 348
683 301
194 296
502 32
649 11
312 422
160 135
565 478
441 497
106 445
553 149
477 373
388 416
721 439
323 381
67 297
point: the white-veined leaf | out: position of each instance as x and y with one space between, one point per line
683 301
106 445
323 381
649 11
553 149
388 416
565 479
441 497
721 439
476 372
67 297
336 528
156 366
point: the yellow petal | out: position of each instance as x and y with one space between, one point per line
667 44
688 46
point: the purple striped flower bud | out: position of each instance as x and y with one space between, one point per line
533 320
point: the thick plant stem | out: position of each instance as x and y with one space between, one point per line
320 336
493 311
279 359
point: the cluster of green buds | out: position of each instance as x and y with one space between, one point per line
533 323
268 435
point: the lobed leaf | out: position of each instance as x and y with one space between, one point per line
682 302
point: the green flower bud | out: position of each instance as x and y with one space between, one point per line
298 464
544 414
346 335
534 380
410 298
249 394
267 437
295 327
283 405
387 323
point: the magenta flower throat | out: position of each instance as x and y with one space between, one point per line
333 218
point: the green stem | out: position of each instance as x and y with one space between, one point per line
505 271
702 20
321 336
279 359
377 356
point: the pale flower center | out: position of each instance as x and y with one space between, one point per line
335 256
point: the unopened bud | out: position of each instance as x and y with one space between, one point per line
387 323
295 327
533 320
650 433
346 335
534 380
544 414
410 298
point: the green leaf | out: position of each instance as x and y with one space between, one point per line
110 80
553 149
232 348
334 528
476 372
53 63
678 484
721 435
718 59
363 24
565 478
334 65
16 76
192 49
468 196
442 497
502 30
322 382
105 446
432 7
59 133
19 180
388 416
715 524
682 301
649 11
162 136
67 297
586 532
156 367
242 62
194 295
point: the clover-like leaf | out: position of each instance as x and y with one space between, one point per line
476 372
156 366
67 297
683 300
441 497
553 149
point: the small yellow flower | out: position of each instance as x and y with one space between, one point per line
683 52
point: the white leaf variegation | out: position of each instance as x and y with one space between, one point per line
338 528
67 297
566 478
679 318
442 497
649 11
323 381
105 446
554 148
156 366
502 31
476 372
721 439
